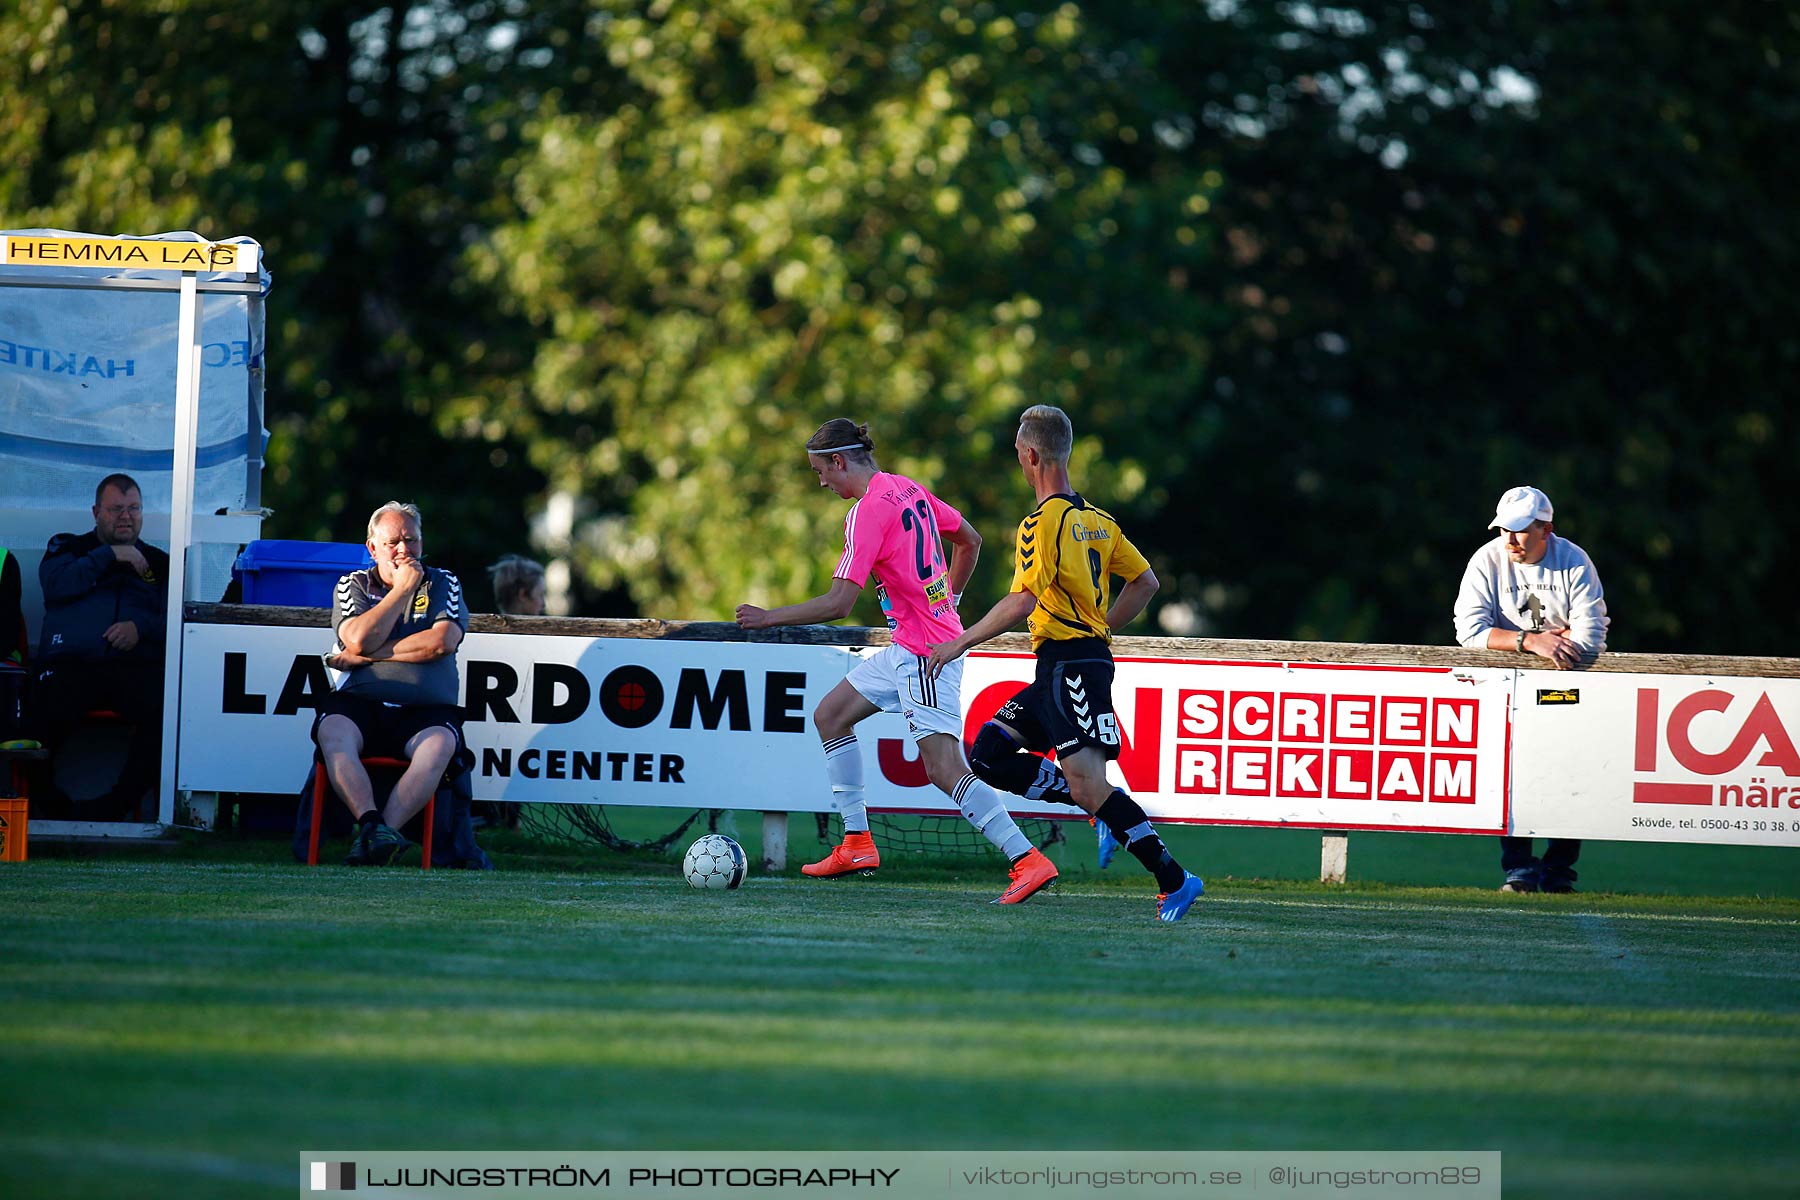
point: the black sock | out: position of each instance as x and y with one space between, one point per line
1131 825
372 817
1006 766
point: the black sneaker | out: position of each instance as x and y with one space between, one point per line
386 845
1561 885
359 847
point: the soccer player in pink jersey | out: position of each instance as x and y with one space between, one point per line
893 532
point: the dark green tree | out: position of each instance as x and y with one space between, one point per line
1315 283
1477 245
365 145
811 211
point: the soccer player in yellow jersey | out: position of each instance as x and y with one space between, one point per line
1067 552
895 530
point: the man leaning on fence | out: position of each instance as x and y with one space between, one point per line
395 680
1531 591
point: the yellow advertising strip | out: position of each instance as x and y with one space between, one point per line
126 253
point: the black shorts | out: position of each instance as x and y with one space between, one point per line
386 728
1070 703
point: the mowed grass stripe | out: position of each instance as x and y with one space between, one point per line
259 1009
1416 1051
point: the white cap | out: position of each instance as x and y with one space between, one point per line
1519 507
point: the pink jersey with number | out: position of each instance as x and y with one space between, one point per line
893 533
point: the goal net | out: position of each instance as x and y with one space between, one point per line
922 836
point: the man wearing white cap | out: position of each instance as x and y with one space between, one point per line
1531 592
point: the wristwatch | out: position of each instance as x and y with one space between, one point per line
1521 646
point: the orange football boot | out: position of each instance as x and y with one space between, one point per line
1030 874
857 854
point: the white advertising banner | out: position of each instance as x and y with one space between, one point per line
1322 747
559 720
728 725
1660 758
572 720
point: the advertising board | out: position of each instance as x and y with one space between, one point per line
1675 758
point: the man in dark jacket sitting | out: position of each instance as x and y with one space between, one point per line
106 604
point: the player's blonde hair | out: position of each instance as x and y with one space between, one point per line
1047 430
841 435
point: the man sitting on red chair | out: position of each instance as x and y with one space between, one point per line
106 606
394 676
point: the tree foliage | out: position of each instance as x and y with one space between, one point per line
363 144
1316 284
1479 245
858 214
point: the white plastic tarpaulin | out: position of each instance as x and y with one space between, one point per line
87 387
112 358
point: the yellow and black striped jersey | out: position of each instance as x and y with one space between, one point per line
1067 553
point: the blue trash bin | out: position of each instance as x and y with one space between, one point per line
298 574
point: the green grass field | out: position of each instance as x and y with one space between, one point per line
186 1022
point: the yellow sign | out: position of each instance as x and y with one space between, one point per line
128 253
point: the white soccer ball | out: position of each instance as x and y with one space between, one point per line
714 862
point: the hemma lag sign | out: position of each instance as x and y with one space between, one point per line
142 254
1304 744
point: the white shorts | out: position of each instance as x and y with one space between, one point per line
892 680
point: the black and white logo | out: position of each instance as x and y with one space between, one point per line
333 1176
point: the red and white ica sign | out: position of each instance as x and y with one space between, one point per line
1659 758
1731 743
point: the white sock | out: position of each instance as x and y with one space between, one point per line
844 767
981 804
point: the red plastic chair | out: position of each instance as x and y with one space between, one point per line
322 788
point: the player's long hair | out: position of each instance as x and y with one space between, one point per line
840 435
